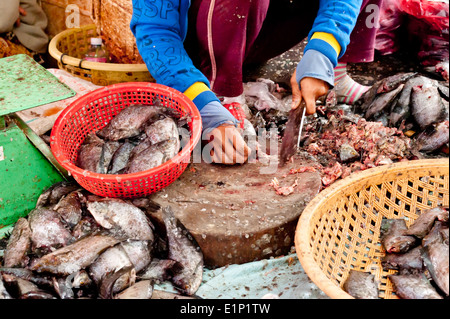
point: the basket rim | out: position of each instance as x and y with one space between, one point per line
80 102
302 237
72 61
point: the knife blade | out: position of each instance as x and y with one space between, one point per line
292 133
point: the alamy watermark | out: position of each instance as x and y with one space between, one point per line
72 16
373 18
262 143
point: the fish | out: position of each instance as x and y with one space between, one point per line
369 97
383 86
125 254
25 289
129 122
86 226
170 148
444 234
54 193
162 130
19 245
63 287
427 106
401 109
48 230
361 285
81 279
382 102
443 69
393 238
436 259
413 286
443 90
121 157
425 222
90 154
27 274
108 151
4 294
110 261
147 159
69 208
106 290
184 249
140 290
433 137
434 234
74 257
153 156
122 219
160 270
411 260
392 82
139 252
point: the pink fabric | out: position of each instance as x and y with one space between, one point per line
226 35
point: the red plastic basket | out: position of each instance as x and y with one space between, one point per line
93 111
237 111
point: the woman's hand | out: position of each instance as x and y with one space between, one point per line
311 90
228 146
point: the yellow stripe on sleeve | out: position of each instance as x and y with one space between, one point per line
329 38
196 89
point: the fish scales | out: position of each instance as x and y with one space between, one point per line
74 257
436 256
110 261
415 286
47 229
122 218
393 238
361 285
427 106
69 208
129 122
19 244
184 249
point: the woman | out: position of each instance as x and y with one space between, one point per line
200 47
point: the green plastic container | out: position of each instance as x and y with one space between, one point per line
27 167
24 174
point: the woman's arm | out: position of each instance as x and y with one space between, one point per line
332 27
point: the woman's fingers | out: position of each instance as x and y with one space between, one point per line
228 146
296 93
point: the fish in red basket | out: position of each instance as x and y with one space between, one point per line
137 139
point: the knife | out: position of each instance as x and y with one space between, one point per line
292 133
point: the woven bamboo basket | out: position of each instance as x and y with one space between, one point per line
68 48
339 228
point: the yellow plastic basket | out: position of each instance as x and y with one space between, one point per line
339 229
68 48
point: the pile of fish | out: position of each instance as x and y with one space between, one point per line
402 117
78 245
419 254
413 102
138 138
343 143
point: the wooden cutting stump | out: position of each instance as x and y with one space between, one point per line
234 214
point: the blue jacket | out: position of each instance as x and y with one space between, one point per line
160 28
